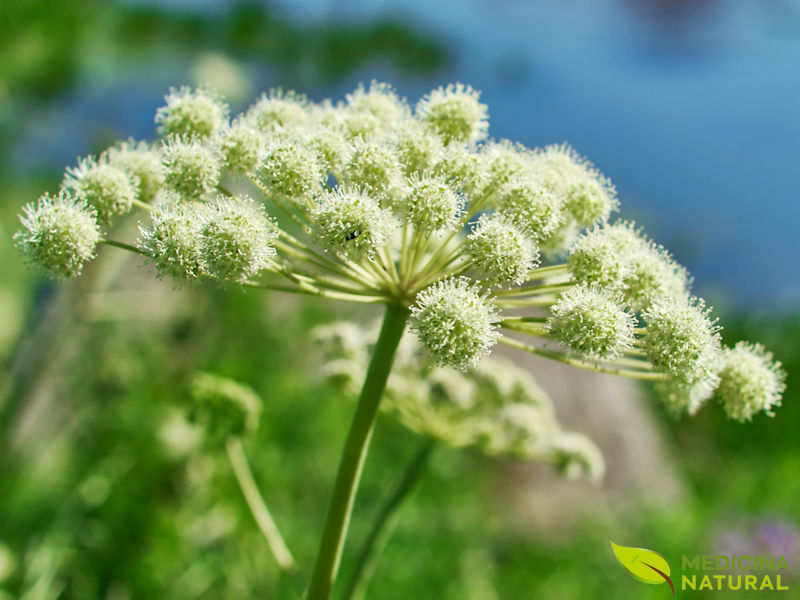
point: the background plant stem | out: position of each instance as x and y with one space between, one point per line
354 453
382 526
258 507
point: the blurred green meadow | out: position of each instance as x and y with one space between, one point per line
107 492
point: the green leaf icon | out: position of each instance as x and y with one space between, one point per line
645 565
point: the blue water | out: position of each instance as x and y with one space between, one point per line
691 108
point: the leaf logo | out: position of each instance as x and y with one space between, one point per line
645 565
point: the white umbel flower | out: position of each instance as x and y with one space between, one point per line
291 170
431 205
142 163
531 206
592 321
352 223
751 381
381 102
683 339
194 113
237 239
454 322
108 189
242 146
59 233
455 113
500 251
173 240
192 167
418 149
604 254
587 196
278 110
374 167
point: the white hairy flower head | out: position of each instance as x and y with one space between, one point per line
143 165
173 239
593 322
683 339
242 146
530 206
108 189
192 167
500 251
751 381
59 233
351 222
455 113
237 239
193 113
432 205
279 110
586 195
455 322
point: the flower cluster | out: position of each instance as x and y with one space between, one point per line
223 407
495 407
375 200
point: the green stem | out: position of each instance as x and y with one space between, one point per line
381 527
259 510
124 246
584 364
142 205
354 453
533 290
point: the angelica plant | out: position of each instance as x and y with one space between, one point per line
468 241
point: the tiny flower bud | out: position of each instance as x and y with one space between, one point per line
192 113
279 109
586 195
682 339
333 151
375 168
237 239
652 275
59 233
461 168
431 205
352 223
455 113
592 322
380 101
173 239
109 189
142 163
751 381
224 407
242 147
361 126
192 168
418 150
291 170
530 206
604 254
454 322
498 164
500 251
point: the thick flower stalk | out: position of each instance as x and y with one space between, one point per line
475 241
